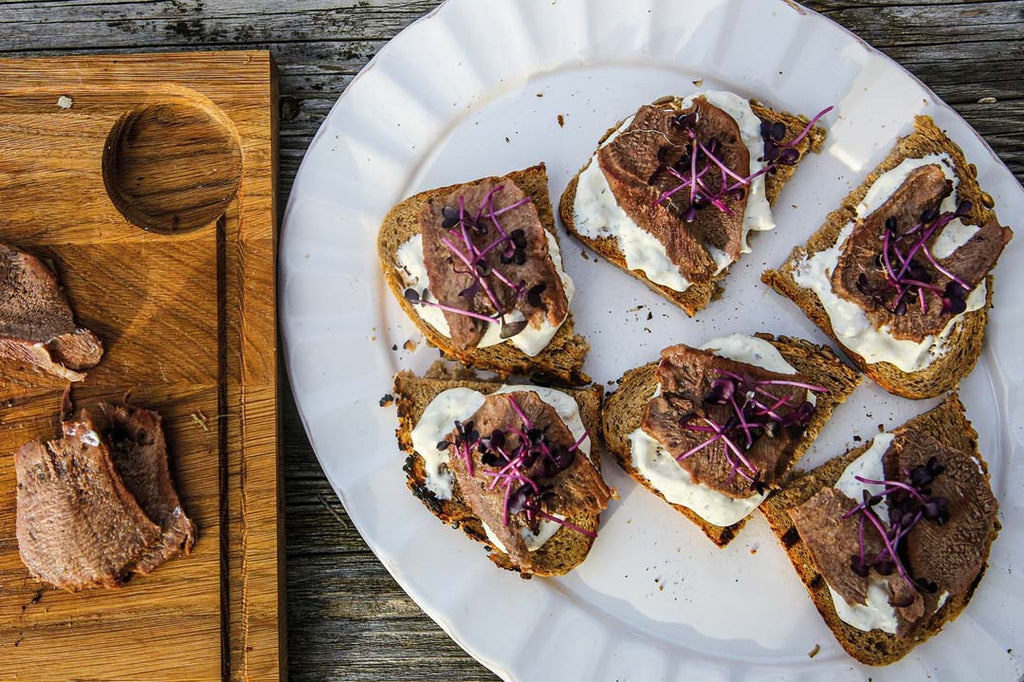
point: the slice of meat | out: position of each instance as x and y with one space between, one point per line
139 452
833 541
685 375
576 489
631 164
37 327
972 261
78 526
860 277
950 555
450 281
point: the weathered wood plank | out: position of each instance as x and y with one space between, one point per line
348 619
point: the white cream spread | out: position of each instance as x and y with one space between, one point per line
534 541
877 614
673 481
532 340
849 321
868 465
460 404
596 213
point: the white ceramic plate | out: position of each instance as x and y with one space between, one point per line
477 88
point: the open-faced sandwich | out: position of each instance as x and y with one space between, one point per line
892 538
514 467
712 430
899 275
477 267
37 327
673 191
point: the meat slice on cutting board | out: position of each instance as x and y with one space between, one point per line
99 503
137 444
78 526
37 326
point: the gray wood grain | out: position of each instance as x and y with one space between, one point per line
348 620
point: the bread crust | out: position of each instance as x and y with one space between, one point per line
949 425
560 362
567 548
965 342
698 295
624 409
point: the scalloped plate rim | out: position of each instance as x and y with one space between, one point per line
438 615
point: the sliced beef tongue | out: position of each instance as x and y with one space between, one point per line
37 327
685 375
139 452
629 162
78 526
450 279
633 165
972 261
99 503
861 278
924 189
722 230
576 489
952 554
833 541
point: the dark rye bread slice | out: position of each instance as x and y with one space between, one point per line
697 296
567 548
560 362
964 343
624 409
949 425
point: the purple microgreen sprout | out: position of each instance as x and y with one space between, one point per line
906 276
909 502
519 470
512 245
748 422
700 159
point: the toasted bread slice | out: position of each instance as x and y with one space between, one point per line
567 548
697 296
949 425
624 411
964 343
560 362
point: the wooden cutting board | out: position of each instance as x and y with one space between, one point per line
91 148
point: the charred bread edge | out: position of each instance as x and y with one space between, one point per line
560 362
697 296
817 363
965 343
567 548
950 425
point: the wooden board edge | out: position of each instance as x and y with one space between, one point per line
253 606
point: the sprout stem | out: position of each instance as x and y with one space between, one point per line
567 524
